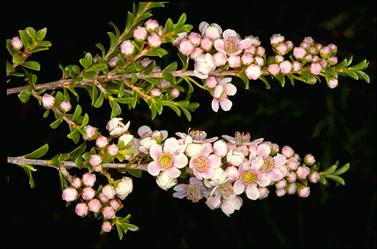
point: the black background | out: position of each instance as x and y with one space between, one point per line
331 124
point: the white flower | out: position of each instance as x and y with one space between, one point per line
124 187
220 95
165 182
116 127
204 64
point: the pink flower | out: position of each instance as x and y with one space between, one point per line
116 127
282 48
212 31
113 61
88 193
194 191
204 163
291 177
204 64
115 203
90 132
112 150
101 142
94 205
81 209
315 68
95 160
232 173
220 148
16 43
108 191
287 151
296 66
220 95
234 61
259 60
196 53
220 59
299 52
65 106
303 191
332 83
108 212
228 206
151 25
140 33
314 177
302 172
155 92
179 38
285 67
168 158
281 184
195 38
211 82
309 159
231 44
260 51
276 39
206 44
174 93
333 48
247 59
69 194
76 183
48 101
333 60
106 226
127 48
154 40
291 189
253 72
186 47
88 179
273 69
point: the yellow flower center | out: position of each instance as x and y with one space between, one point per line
165 160
201 164
249 177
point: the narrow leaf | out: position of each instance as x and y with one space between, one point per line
38 153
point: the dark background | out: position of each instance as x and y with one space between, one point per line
331 124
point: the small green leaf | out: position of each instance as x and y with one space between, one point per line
171 67
28 170
135 172
280 77
342 169
41 34
117 33
169 77
63 181
25 38
182 20
87 61
56 123
330 170
102 48
99 101
77 113
89 75
337 179
85 120
160 52
267 85
45 114
17 59
153 81
25 94
364 76
352 74
74 135
116 110
131 227
32 65
31 33
98 67
38 153
323 181
119 230
113 39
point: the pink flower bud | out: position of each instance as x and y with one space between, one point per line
247 59
90 132
287 151
309 159
106 226
115 203
292 177
179 38
48 101
88 179
259 60
88 193
94 205
333 60
186 47
154 40
76 183
195 38
174 93
108 212
69 194
292 163
309 57
251 50
140 33
113 61
299 52
325 52
16 43
274 148
285 67
95 160
151 25
280 192
204 64
213 32
81 209
281 184
276 39
196 53
155 92
220 59
206 44
332 83
315 68
164 83
253 72
234 61
101 142
333 48
65 106
103 198
314 177
108 191
211 82
303 192
313 51
273 69
302 172
289 44
291 188
127 48
323 63
279 59
282 49
112 150
296 66
261 51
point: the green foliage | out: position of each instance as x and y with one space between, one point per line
38 153
123 226
334 173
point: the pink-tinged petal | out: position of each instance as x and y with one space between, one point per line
246 43
206 149
180 195
237 202
170 145
263 180
197 174
194 181
238 187
180 161
263 193
226 104
230 33
214 161
227 206
226 80
153 168
230 89
279 160
180 187
164 134
173 172
155 151
233 173
144 131
215 105
283 170
220 148
203 26
256 163
219 45
264 150
252 192
275 175
200 75
208 174
218 91
213 202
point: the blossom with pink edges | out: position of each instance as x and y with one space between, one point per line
231 44
204 163
212 31
194 191
220 94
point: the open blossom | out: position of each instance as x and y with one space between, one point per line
204 163
221 92
169 158
194 191
253 72
228 206
204 64
231 44
212 31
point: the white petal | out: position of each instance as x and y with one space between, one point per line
219 45
153 168
173 172
238 187
215 105
252 192
144 131
230 33
226 104
155 151
180 161
230 89
218 91
170 145
203 26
